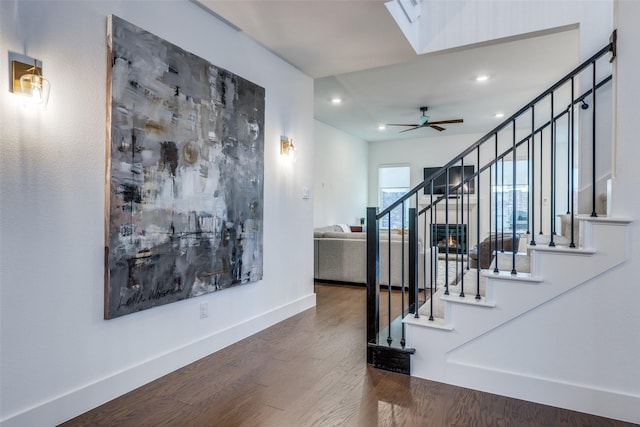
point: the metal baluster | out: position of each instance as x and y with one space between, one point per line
514 205
541 193
533 177
593 142
460 226
431 213
495 269
402 281
478 225
553 182
528 182
569 128
446 227
572 244
457 232
467 239
501 210
389 339
489 205
424 258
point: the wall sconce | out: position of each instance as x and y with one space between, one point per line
286 146
27 80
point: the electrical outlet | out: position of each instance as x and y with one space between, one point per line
204 310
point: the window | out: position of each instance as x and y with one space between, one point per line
503 192
393 183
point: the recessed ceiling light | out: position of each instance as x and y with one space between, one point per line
381 127
482 78
499 115
336 100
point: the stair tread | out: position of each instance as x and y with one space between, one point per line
423 320
605 218
467 299
506 275
561 248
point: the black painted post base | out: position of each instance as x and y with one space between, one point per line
390 358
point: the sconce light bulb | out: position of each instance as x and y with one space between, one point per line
36 88
286 147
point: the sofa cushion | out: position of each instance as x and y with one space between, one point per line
340 235
344 228
486 252
319 231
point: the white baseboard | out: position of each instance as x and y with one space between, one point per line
62 408
576 397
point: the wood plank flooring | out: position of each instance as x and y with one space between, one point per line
310 370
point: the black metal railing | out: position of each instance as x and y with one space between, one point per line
524 174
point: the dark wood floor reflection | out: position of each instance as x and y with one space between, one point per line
310 370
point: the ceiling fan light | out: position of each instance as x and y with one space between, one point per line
423 120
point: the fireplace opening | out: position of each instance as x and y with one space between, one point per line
450 238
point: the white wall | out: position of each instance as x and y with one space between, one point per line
622 337
340 177
59 357
419 153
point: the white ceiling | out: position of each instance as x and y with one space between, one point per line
355 50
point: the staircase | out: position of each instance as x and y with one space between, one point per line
525 173
505 297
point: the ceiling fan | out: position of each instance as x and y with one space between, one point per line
424 122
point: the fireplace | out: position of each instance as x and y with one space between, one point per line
455 239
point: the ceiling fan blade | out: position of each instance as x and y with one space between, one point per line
398 124
436 127
413 128
444 122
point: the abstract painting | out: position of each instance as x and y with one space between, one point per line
185 169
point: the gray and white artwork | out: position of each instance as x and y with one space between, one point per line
185 168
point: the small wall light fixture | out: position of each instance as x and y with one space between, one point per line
27 80
286 146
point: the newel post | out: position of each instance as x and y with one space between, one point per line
373 293
413 261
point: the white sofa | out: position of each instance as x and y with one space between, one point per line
341 256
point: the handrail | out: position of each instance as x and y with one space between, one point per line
608 48
506 152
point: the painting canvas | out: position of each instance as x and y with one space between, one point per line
185 168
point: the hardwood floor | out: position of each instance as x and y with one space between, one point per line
310 370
